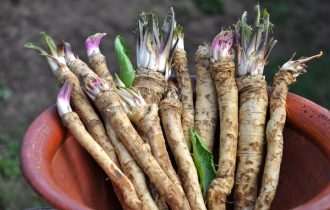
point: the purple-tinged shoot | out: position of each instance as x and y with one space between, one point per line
92 43
221 45
63 99
130 97
69 55
154 44
95 86
297 67
254 46
137 97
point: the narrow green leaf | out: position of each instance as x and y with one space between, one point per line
35 46
246 30
257 8
203 159
127 72
49 42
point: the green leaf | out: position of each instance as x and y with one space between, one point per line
203 159
257 8
35 46
246 29
49 42
127 72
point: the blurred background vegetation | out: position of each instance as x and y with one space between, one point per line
27 86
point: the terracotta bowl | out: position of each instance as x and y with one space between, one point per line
59 169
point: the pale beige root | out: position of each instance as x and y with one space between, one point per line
160 201
108 103
86 112
206 112
223 74
86 74
274 136
170 112
150 84
253 102
118 178
147 120
180 67
81 70
144 119
89 117
99 64
274 131
132 170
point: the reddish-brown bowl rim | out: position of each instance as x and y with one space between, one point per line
31 164
305 112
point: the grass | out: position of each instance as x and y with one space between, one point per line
14 191
5 92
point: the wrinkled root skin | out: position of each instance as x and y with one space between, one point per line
128 195
218 192
131 170
160 201
170 111
146 119
252 111
108 103
223 74
99 64
150 84
79 68
85 110
180 67
274 135
206 112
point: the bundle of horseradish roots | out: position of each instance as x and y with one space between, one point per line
133 123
